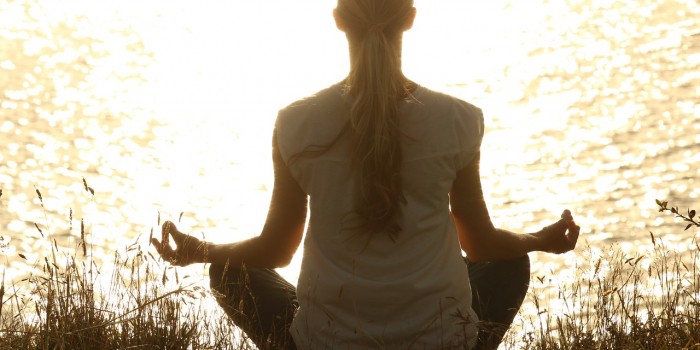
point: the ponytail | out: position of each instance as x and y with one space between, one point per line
377 85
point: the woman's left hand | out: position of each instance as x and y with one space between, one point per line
188 250
559 237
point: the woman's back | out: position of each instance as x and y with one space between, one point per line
360 290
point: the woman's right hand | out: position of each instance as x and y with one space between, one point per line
561 236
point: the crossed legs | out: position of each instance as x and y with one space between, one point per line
262 303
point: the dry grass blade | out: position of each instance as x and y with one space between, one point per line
82 237
2 292
40 231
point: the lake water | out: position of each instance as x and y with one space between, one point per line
167 107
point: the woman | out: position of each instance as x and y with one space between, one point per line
391 173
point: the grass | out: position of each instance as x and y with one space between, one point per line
134 301
72 304
619 301
649 299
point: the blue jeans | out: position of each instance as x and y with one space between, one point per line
262 303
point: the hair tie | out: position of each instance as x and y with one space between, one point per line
376 27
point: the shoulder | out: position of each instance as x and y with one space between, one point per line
310 120
319 100
444 102
458 123
456 111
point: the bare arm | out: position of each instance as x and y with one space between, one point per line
274 247
482 241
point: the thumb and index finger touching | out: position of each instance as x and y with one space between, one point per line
163 246
573 230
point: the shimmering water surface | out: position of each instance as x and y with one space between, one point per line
167 107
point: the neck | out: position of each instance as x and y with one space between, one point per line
352 48
409 85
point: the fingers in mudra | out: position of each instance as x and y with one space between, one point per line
573 233
561 236
185 246
567 215
163 247
573 230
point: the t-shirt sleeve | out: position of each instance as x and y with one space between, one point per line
290 129
469 129
289 132
281 136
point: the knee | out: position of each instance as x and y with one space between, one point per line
221 275
522 271
215 273
523 263
518 269
522 266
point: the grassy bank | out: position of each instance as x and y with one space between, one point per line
617 300
136 303
133 301
647 300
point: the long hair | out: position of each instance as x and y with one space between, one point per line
377 85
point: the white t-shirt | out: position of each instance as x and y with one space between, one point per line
360 293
